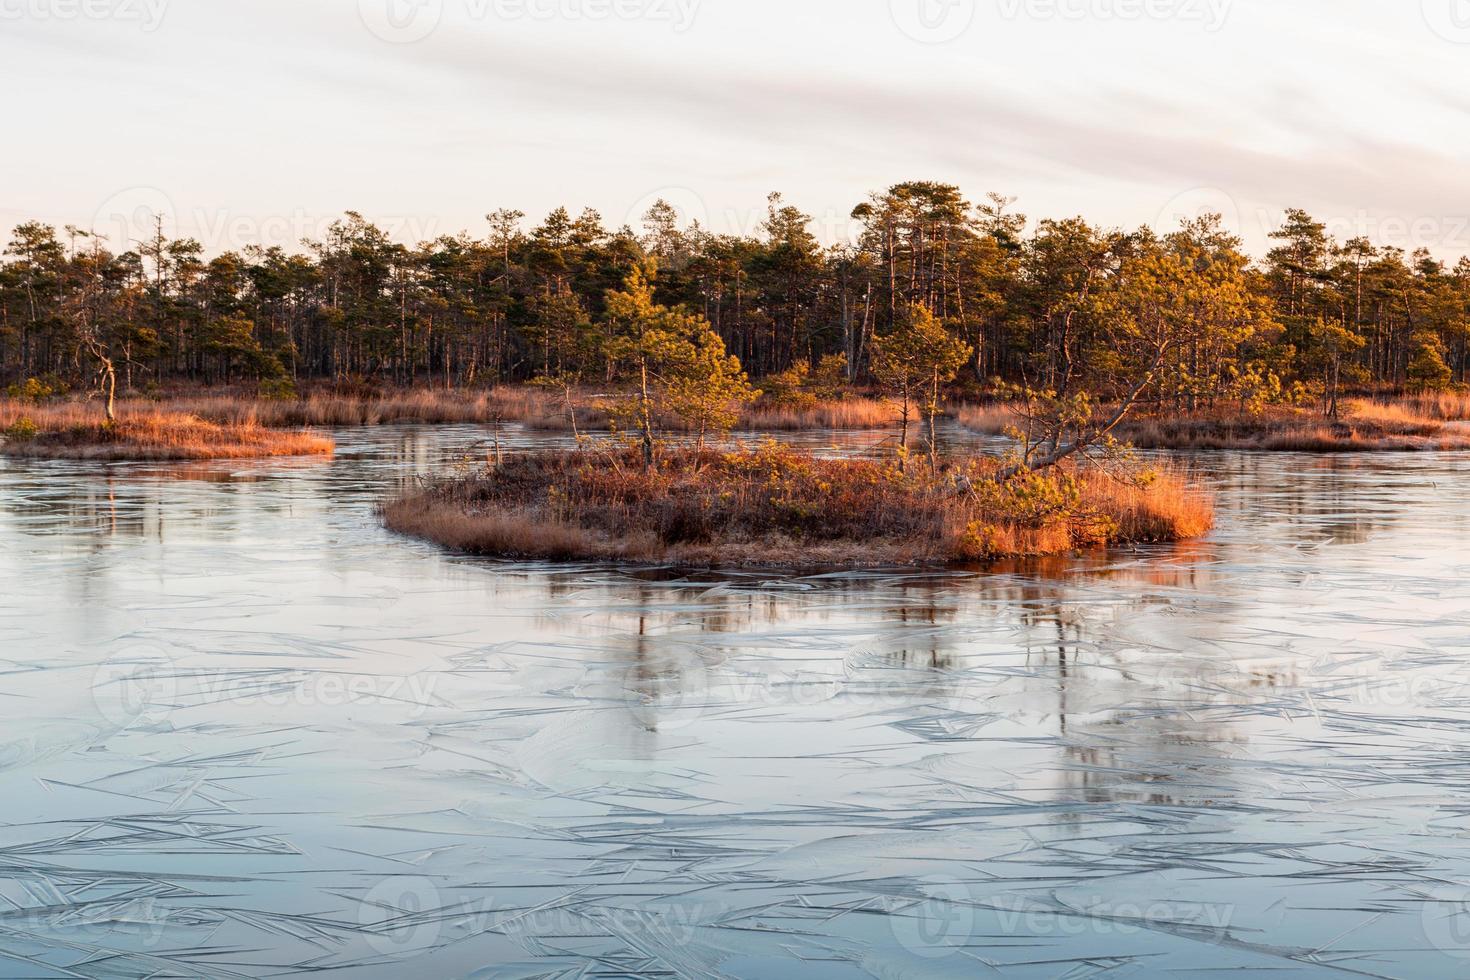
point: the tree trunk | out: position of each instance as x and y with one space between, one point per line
645 407
1060 452
903 443
109 380
933 411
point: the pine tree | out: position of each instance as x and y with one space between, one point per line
914 361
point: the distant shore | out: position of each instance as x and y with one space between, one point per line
1400 425
526 404
250 423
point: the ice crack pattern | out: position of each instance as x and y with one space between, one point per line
247 733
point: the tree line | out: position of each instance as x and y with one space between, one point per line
1183 319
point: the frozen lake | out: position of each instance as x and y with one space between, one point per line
245 732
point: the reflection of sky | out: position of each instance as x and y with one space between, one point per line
1242 106
240 716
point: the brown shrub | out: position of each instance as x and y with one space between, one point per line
778 506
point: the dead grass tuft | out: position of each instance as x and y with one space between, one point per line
845 413
74 431
1446 406
776 506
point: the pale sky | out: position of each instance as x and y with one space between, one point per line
261 120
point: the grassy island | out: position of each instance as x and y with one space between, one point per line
77 432
1362 426
777 506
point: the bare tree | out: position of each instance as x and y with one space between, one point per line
84 309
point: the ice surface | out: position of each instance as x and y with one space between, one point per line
245 732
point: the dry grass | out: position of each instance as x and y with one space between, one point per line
1443 406
990 419
846 413
75 431
535 407
594 413
325 409
779 507
1365 426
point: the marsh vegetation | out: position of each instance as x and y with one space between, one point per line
638 495
775 506
81 431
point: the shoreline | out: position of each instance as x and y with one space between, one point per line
537 408
1364 427
1402 425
